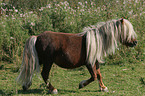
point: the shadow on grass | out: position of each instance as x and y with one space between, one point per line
31 91
64 91
91 90
40 91
1 92
142 81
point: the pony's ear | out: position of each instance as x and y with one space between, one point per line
122 20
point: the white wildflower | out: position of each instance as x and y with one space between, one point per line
57 5
61 3
68 7
31 12
66 3
136 1
124 2
82 10
41 9
92 3
12 38
10 10
33 24
24 15
13 7
80 3
21 15
117 1
16 10
34 15
124 69
48 6
142 13
3 4
13 18
95 10
130 12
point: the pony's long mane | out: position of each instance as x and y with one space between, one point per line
101 39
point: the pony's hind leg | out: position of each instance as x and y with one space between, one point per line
92 71
45 76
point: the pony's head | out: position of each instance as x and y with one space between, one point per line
101 39
128 35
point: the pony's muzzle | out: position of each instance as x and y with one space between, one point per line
135 43
132 44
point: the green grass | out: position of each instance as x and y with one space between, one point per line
127 79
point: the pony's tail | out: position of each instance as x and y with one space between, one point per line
30 63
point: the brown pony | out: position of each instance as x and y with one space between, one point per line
74 50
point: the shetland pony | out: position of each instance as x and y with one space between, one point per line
74 50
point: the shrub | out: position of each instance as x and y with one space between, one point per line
21 20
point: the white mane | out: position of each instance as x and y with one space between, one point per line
101 39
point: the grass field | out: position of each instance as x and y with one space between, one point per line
123 72
125 79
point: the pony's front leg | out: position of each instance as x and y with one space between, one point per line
45 76
101 85
92 71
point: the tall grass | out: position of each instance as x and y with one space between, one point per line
21 19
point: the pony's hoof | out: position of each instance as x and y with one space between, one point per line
81 84
54 91
24 88
105 89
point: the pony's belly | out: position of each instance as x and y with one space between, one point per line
64 62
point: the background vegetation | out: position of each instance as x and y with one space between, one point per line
20 19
